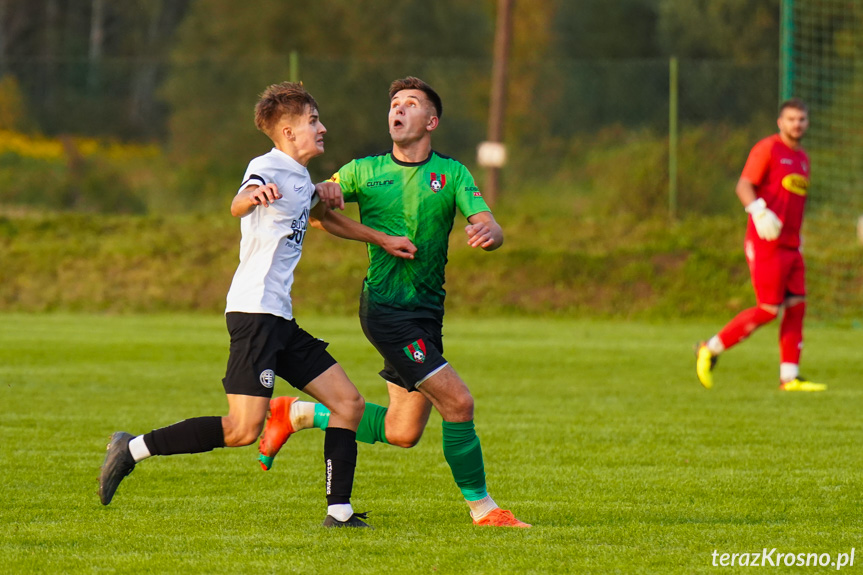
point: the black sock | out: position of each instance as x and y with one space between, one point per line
194 435
340 454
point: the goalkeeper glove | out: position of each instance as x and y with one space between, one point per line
766 223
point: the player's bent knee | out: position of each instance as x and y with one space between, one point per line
404 439
241 435
794 301
463 406
767 311
240 440
357 406
348 408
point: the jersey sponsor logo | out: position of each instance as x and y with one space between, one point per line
438 181
416 351
379 183
268 378
298 229
796 184
786 161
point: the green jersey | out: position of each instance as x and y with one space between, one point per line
414 200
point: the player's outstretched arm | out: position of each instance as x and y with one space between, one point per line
253 196
484 232
342 226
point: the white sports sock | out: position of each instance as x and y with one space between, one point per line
341 512
139 449
481 507
715 345
303 416
788 371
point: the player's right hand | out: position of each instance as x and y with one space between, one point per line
265 195
330 194
399 246
767 224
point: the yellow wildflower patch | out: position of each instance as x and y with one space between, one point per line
42 148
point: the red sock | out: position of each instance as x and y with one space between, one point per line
791 333
743 325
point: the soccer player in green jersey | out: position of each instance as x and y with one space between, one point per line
410 191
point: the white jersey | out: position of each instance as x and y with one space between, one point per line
272 237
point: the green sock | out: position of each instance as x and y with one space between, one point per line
462 451
371 428
322 416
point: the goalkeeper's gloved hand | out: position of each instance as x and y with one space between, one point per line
766 223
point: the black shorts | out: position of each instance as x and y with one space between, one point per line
412 348
264 346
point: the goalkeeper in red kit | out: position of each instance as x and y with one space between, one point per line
773 189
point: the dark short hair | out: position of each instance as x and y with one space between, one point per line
413 83
286 98
794 103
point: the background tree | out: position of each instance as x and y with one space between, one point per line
740 30
349 53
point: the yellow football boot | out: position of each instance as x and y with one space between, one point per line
704 364
802 384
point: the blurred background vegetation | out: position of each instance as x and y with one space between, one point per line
125 127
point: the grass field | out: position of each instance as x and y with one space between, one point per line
595 432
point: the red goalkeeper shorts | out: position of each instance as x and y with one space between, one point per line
776 273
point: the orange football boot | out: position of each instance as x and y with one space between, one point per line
501 518
277 430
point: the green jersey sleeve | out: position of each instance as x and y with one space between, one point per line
468 197
346 177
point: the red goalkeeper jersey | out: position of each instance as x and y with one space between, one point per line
781 178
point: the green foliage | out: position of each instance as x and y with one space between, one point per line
80 262
602 29
595 432
13 111
213 98
738 29
95 183
618 171
558 258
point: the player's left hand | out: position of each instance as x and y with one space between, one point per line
767 225
330 193
479 235
399 246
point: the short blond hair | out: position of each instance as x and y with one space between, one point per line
278 100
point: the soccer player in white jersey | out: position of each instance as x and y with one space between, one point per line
274 204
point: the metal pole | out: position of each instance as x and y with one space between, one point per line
786 50
294 63
497 106
672 137
97 39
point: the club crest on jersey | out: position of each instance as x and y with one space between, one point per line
268 378
438 181
416 351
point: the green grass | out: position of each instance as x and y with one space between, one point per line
596 432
